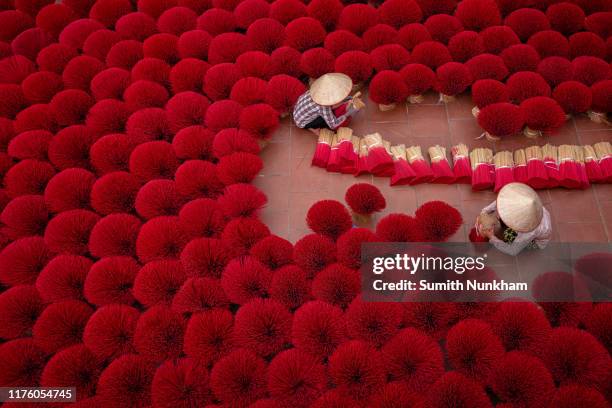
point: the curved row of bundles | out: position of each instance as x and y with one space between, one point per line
548 166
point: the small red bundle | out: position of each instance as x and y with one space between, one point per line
333 162
542 115
524 85
356 64
537 175
345 144
486 92
378 160
364 199
604 156
550 154
403 173
419 79
520 166
387 89
504 171
582 173
500 119
440 166
452 79
573 96
483 170
361 167
323 149
568 168
351 159
422 170
487 66
462 169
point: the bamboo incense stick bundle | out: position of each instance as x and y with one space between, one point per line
323 149
551 161
483 170
362 160
440 166
462 168
604 155
404 174
570 176
591 164
504 169
335 162
537 176
422 170
345 143
379 160
582 173
350 164
520 166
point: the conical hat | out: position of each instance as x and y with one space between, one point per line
519 207
330 89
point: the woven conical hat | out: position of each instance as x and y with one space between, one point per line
519 207
330 89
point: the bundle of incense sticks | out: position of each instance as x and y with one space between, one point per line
591 164
350 162
440 166
604 155
387 171
403 172
520 166
551 161
378 159
423 173
579 156
483 170
537 176
462 168
568 168
334 164
504 169
345 143
323 149
362 159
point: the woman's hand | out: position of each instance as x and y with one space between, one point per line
487 232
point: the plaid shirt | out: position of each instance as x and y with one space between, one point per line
306 110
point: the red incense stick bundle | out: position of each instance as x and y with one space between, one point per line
604 155
462 168
440 166
551 161
379 160
483 170
334 164
422 170
345 143
350 163
504 169
537 176
362 160
387 171
591 164
570 176
582 173
323 149
520 166
403 172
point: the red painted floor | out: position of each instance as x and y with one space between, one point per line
292 185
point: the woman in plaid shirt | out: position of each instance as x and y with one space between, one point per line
326 104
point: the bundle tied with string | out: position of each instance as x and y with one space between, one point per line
550 154
323 149
345 143
520 166
568 169
591 164
604 156
537 176
350 163
582 173
403 172
422 170
462 169
483 170
362 159
334 164
440 166
379 161
504 169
